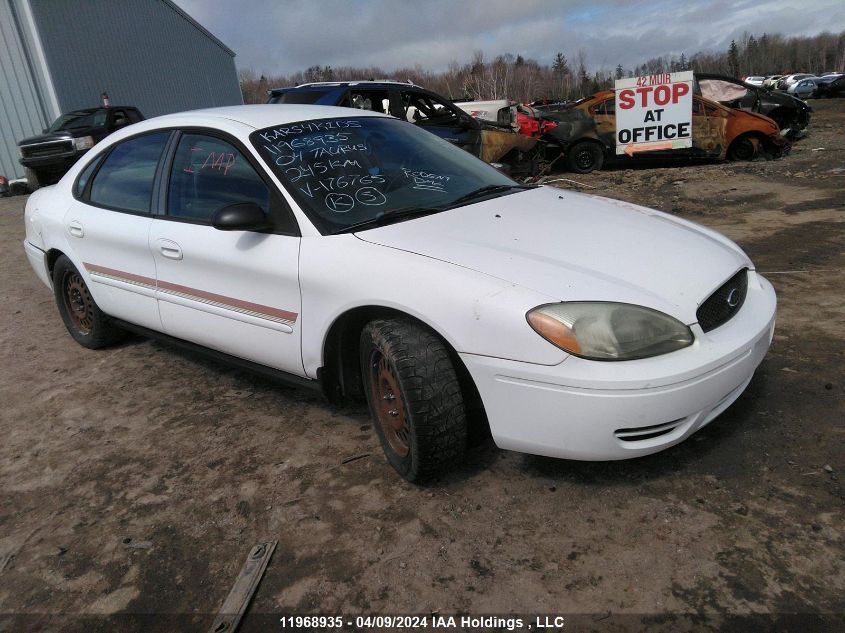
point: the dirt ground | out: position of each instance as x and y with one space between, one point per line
135 480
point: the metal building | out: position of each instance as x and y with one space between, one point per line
60 56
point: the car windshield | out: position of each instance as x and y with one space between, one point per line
360 171
76 120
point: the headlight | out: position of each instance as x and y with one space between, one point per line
609 331
83 142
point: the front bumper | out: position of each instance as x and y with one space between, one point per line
591 410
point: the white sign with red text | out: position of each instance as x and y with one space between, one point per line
654 112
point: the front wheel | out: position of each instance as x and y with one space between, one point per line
87 324
32 179
414 396
584 157
744 148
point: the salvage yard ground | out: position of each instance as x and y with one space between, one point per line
136 479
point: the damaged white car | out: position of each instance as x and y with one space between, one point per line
364 256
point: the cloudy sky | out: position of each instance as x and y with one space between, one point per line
283 36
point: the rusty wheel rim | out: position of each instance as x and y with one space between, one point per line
80 305
388 404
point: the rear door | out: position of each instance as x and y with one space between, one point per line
604 115
233 291
108 226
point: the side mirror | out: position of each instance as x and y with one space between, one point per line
244 216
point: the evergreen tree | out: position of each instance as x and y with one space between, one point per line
560 65
583 77
733 59
620 72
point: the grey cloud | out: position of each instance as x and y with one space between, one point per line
283 37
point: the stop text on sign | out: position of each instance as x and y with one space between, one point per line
654 112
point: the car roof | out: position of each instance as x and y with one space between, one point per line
345 84
83 111
257 116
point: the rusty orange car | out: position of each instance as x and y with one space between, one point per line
586 134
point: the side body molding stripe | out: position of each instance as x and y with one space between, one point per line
102 273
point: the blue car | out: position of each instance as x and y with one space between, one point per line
488 141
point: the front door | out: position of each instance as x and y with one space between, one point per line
438 117
233 291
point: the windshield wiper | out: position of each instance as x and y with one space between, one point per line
487 190
390 217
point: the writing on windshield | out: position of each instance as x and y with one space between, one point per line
346 171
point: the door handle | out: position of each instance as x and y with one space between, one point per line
169 249
75 228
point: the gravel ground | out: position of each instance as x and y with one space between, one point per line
134 480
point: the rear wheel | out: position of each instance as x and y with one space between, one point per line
414 397
87 324
584 157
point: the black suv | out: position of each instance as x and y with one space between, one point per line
791 114
49 156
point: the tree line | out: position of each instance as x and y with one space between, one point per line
510 76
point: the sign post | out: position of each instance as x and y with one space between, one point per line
654 112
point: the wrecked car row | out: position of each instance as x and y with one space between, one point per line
728 123
524 141
587 134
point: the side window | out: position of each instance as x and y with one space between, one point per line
209 174
607 107
424 110
125 181
134 116
119 118
84 177
374 100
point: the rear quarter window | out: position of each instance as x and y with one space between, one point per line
304 97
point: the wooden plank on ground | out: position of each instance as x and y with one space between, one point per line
230 614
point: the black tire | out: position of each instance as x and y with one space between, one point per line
32 179
584 157
414 397
744 148
87 324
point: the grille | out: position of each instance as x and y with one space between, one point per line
722 305
47 149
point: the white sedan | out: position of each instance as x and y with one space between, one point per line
369 258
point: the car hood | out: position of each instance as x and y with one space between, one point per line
576 247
